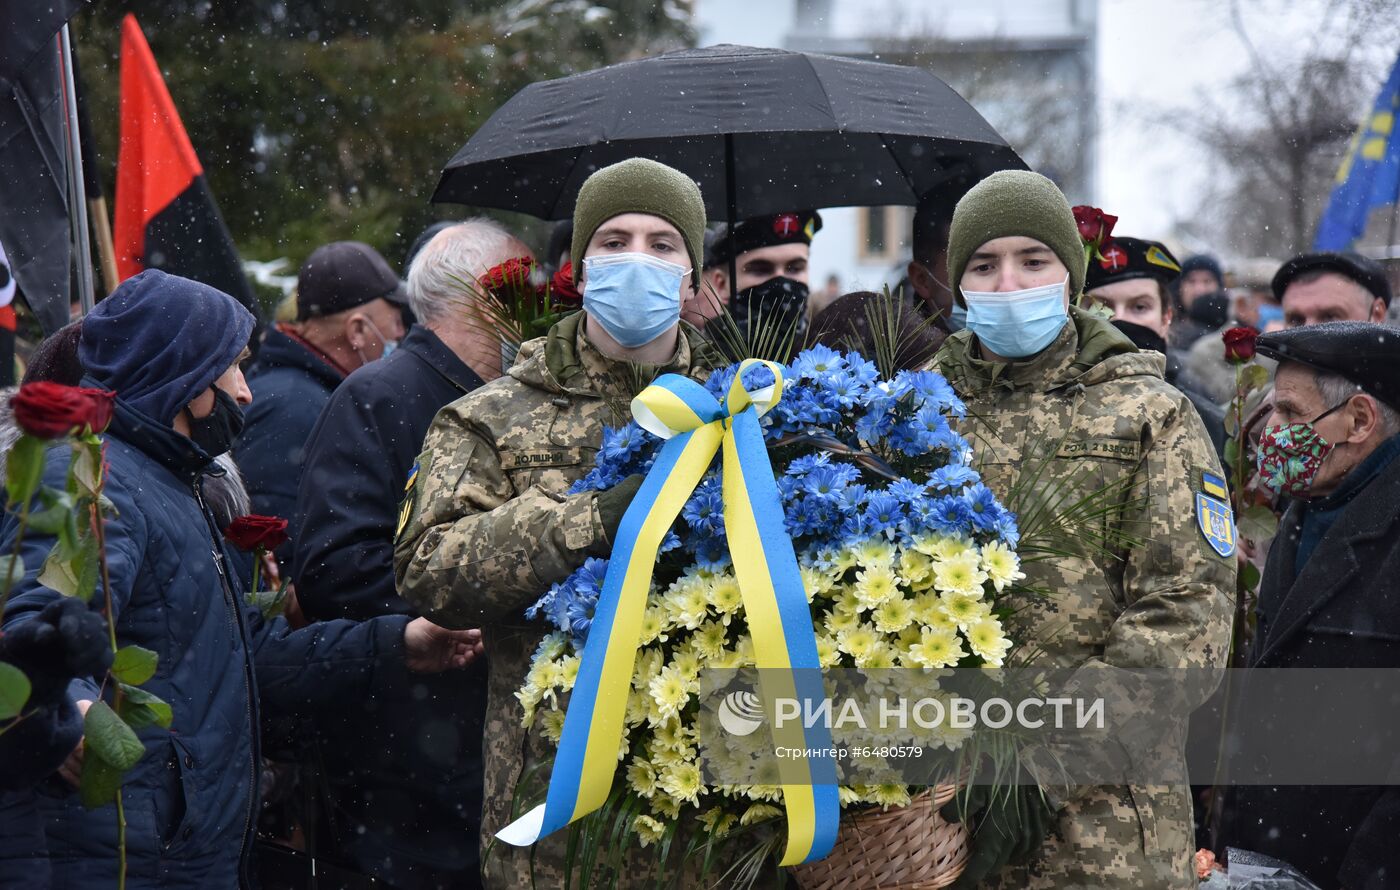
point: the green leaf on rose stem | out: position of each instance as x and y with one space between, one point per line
72 570
14 691
24 468
134 665
58 510
141 709
1232 452
100 784
1249 577
107 736
1255 377
1232 421
1258 523
85 469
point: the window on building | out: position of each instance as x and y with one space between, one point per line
884 233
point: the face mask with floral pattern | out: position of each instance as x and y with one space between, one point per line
1289 456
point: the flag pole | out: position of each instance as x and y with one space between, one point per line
77 206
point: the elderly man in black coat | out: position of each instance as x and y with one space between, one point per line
1330 595
405 777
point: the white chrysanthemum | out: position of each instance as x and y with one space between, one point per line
916 568
670 691
828 651
815 582
710 638
641 777
683 783
960 574
839 622
876 585
1001 565
858 642
988 641
948 547
724 595
893 615
937 649
966 609
648 830
874 553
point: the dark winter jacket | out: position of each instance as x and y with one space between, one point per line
406 778
1342 610
190 801
291 385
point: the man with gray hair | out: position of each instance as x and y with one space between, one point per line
1329 596
405 773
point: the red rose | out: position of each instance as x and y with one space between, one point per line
1095 226
253 531
1239 344
514 272
561 289
52 410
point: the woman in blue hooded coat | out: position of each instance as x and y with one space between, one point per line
169 348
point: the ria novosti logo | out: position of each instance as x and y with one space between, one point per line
740 713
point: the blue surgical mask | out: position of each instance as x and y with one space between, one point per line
1020 323
636 297
389 345
957 317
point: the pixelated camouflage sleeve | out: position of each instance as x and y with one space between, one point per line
470 549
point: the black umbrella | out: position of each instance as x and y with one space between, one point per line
762 131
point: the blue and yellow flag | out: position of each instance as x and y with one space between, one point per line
1370 173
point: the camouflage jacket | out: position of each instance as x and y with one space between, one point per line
488 526
1092 414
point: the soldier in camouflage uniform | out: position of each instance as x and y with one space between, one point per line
488 525
1060 405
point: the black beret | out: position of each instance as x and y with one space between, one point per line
764 231
1129 258
1367 354
1363 270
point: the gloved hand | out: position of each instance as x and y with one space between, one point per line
1011 822
66 640
615 501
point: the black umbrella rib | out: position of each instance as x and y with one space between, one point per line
894 156
830 109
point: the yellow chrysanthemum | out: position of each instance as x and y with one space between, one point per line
638 706
641 777
717 822
672 736
842 560
648 830
965 609
947 547
885 795
828 652
759 812
653 622
893 615
568 672
725 595
909 636
937 649
552 725
858 642
847 600
874 553
814 582
916 568
710 638
988 641
847 795
665 806
1001 565
876 585
839 622
961 574
670 691
647 666
881 657
552 646
683 783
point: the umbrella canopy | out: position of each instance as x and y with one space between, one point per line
761 130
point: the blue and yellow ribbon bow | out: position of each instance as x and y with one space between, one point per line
695 426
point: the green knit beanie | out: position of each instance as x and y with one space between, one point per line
1015 202
639 185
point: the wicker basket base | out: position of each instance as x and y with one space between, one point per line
909 848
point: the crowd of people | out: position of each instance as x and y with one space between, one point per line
425 468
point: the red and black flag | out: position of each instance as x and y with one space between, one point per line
165 216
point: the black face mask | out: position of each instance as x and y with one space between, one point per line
1143 337
777 305
215 433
